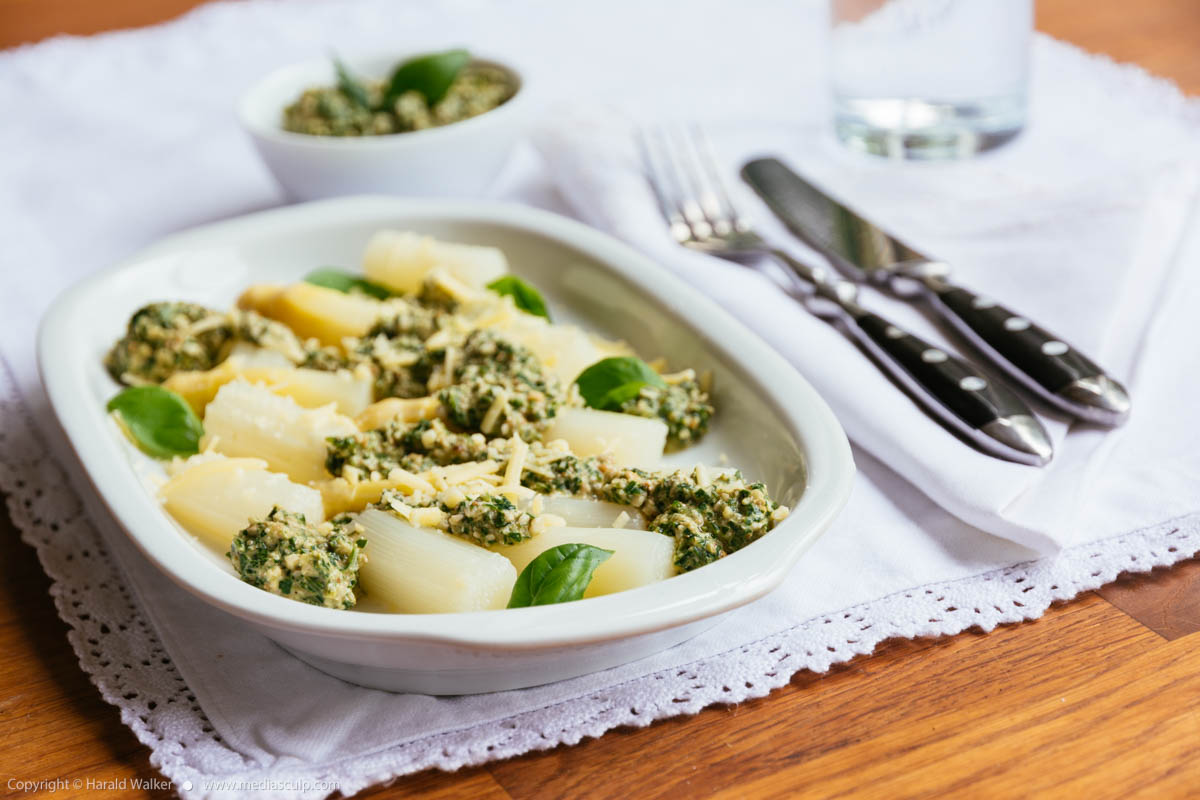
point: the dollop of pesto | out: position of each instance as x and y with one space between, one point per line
488 520
291 557
683 406
566 473
401 364
500 388
628 486
485 519
414 447
330 111
164 338
695 545
708 517
419 317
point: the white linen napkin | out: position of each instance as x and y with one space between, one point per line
1087 258
227 713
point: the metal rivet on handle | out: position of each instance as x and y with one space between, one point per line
932 356
982 303
1055 347
1016 324
972 383
892 332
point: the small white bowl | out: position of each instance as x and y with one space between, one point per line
771 423
456 160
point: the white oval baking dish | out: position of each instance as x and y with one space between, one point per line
770 423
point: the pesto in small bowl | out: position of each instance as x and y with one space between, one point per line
424 92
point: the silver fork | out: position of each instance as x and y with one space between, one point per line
701 215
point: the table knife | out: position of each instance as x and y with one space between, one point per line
863 252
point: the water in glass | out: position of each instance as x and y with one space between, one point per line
929 78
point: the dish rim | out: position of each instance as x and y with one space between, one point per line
729 583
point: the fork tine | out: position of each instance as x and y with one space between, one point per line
704 148
696 209
687 197
702 179
663 185
692 196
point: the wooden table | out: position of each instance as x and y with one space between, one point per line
1098 698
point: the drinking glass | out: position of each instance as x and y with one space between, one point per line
929 79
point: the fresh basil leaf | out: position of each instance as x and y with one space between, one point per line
626 391
332 278
524 296
430 75
351 86
158 421
611 381
559 575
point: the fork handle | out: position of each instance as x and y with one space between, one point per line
1048 366
950 389
954 392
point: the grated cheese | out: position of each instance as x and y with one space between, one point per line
440 339
403 479
543 521
499 317
451 285
384 411
516 462
461 473
427 517
494 411
450 361
679 377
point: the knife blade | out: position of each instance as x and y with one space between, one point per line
863 252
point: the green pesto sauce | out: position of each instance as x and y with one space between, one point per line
414 447
329 111
493 369
695 545
684 407
708 521
567 474
164 338
288 556
488 520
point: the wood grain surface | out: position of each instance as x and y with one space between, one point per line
1097 699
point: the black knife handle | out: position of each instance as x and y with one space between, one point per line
1047 365
954 391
